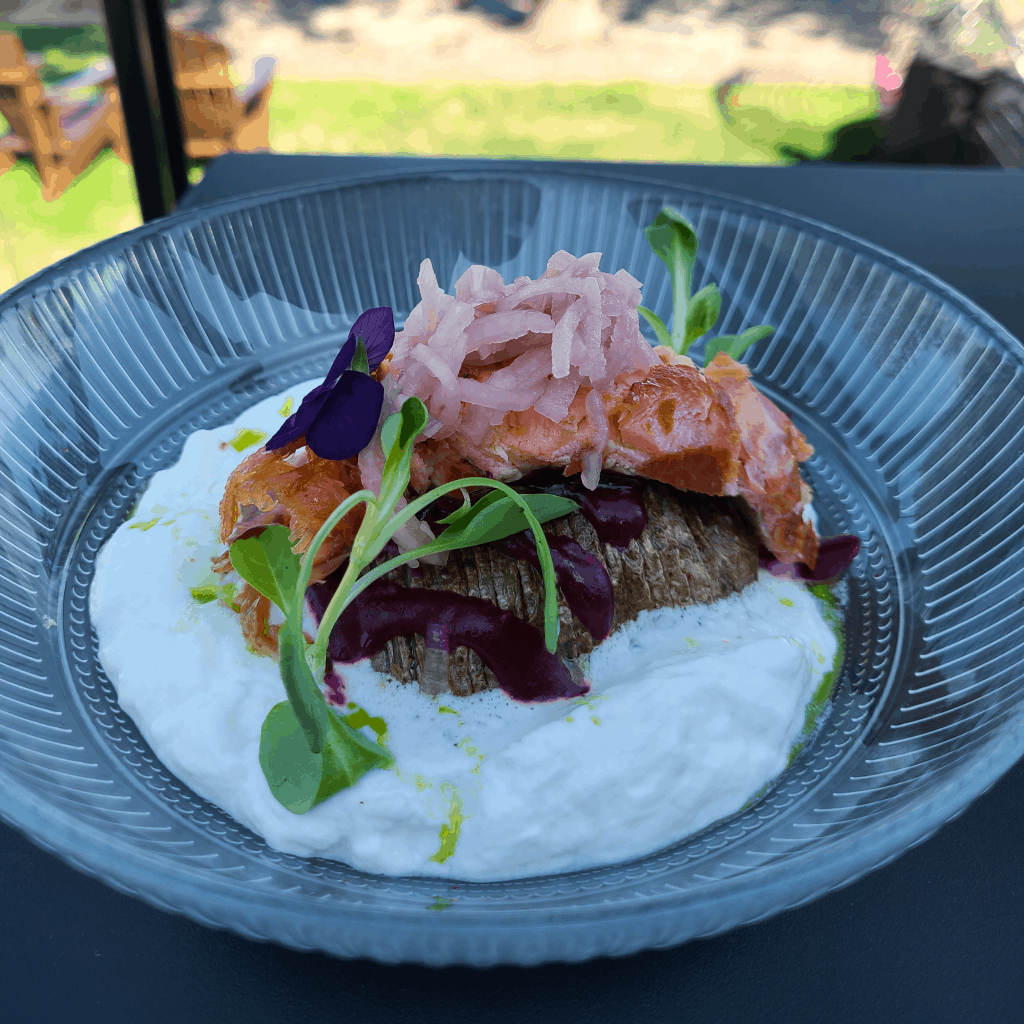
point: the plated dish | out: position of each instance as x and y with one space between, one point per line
617 680
897 383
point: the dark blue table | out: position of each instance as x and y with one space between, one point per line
935 937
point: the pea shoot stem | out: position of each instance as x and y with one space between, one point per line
547 566
338 755
373 535
682 273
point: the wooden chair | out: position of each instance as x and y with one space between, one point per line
218 117
61 132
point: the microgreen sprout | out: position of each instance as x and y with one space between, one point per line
674 240
307 751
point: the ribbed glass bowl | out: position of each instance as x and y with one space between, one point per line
912 397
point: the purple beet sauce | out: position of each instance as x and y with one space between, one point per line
616 512
583 580
835 555
615 509
511 648
334 685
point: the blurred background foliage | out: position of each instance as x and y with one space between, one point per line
753 121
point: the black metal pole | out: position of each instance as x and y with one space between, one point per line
139 47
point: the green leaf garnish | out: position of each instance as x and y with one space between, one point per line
496 517
674 240
438 545
703 313
467 511
308 752
660 330
413 421
398 436
301 779
360 361
307 702
736 344
268 563
672 237
389 433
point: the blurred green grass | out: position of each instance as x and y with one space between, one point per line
629 121
33 234
622 121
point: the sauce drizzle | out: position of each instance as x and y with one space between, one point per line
512 649
615 509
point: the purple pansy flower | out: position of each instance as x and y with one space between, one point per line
339 417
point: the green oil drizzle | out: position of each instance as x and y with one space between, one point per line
246 438
786 601
823 692
215 591
588 701
760 793
442 710
286 409
823 592
148 524
360 717
467 745
449 832
442 902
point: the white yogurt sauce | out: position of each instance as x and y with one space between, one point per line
692 711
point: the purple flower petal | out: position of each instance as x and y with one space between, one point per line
347 420
377 326
342 361
302 419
